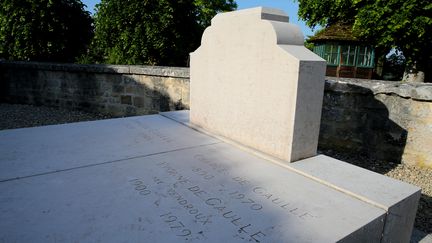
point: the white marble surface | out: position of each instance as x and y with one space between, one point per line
253 81
211 193
31 151
400 201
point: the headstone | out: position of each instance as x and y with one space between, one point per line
253 81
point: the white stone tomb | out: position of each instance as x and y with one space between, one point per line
157 179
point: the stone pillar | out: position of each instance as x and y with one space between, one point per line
254 82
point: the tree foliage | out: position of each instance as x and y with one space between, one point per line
207 9
44 30
394 66
151 32
402 24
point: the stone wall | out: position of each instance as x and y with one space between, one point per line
391 121
112 89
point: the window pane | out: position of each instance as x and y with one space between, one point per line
328 48
351 58
319 50
365 57
347 55
331 54
334 58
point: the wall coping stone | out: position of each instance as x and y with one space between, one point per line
415 91
178 72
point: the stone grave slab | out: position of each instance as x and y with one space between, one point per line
211 193
30 151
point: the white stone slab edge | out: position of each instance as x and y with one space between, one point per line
398 198
399 223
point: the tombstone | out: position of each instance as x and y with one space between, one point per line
253 82
156 179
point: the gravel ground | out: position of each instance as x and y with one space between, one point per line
18 116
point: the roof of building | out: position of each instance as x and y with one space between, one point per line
335 32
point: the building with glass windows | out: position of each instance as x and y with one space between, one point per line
346 56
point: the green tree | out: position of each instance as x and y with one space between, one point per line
151 32
44 30
394 66
401 24
208 9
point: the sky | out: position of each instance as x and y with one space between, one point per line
289 6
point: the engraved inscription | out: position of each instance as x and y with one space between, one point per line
140 187
243 199
191 209
289 207
202 173
175 224
209 191
148 133
212 201
215 166
172 220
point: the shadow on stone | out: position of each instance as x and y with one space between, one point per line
356 127
112 90
424 215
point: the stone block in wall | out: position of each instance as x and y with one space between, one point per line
110 100
131 88
145 81
168 93
130 110
112 78
118 88
335 99
138 101
419 143
126 99
115 110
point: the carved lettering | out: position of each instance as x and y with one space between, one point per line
140 187
241 181
175 224
197 191
191 209
256 235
